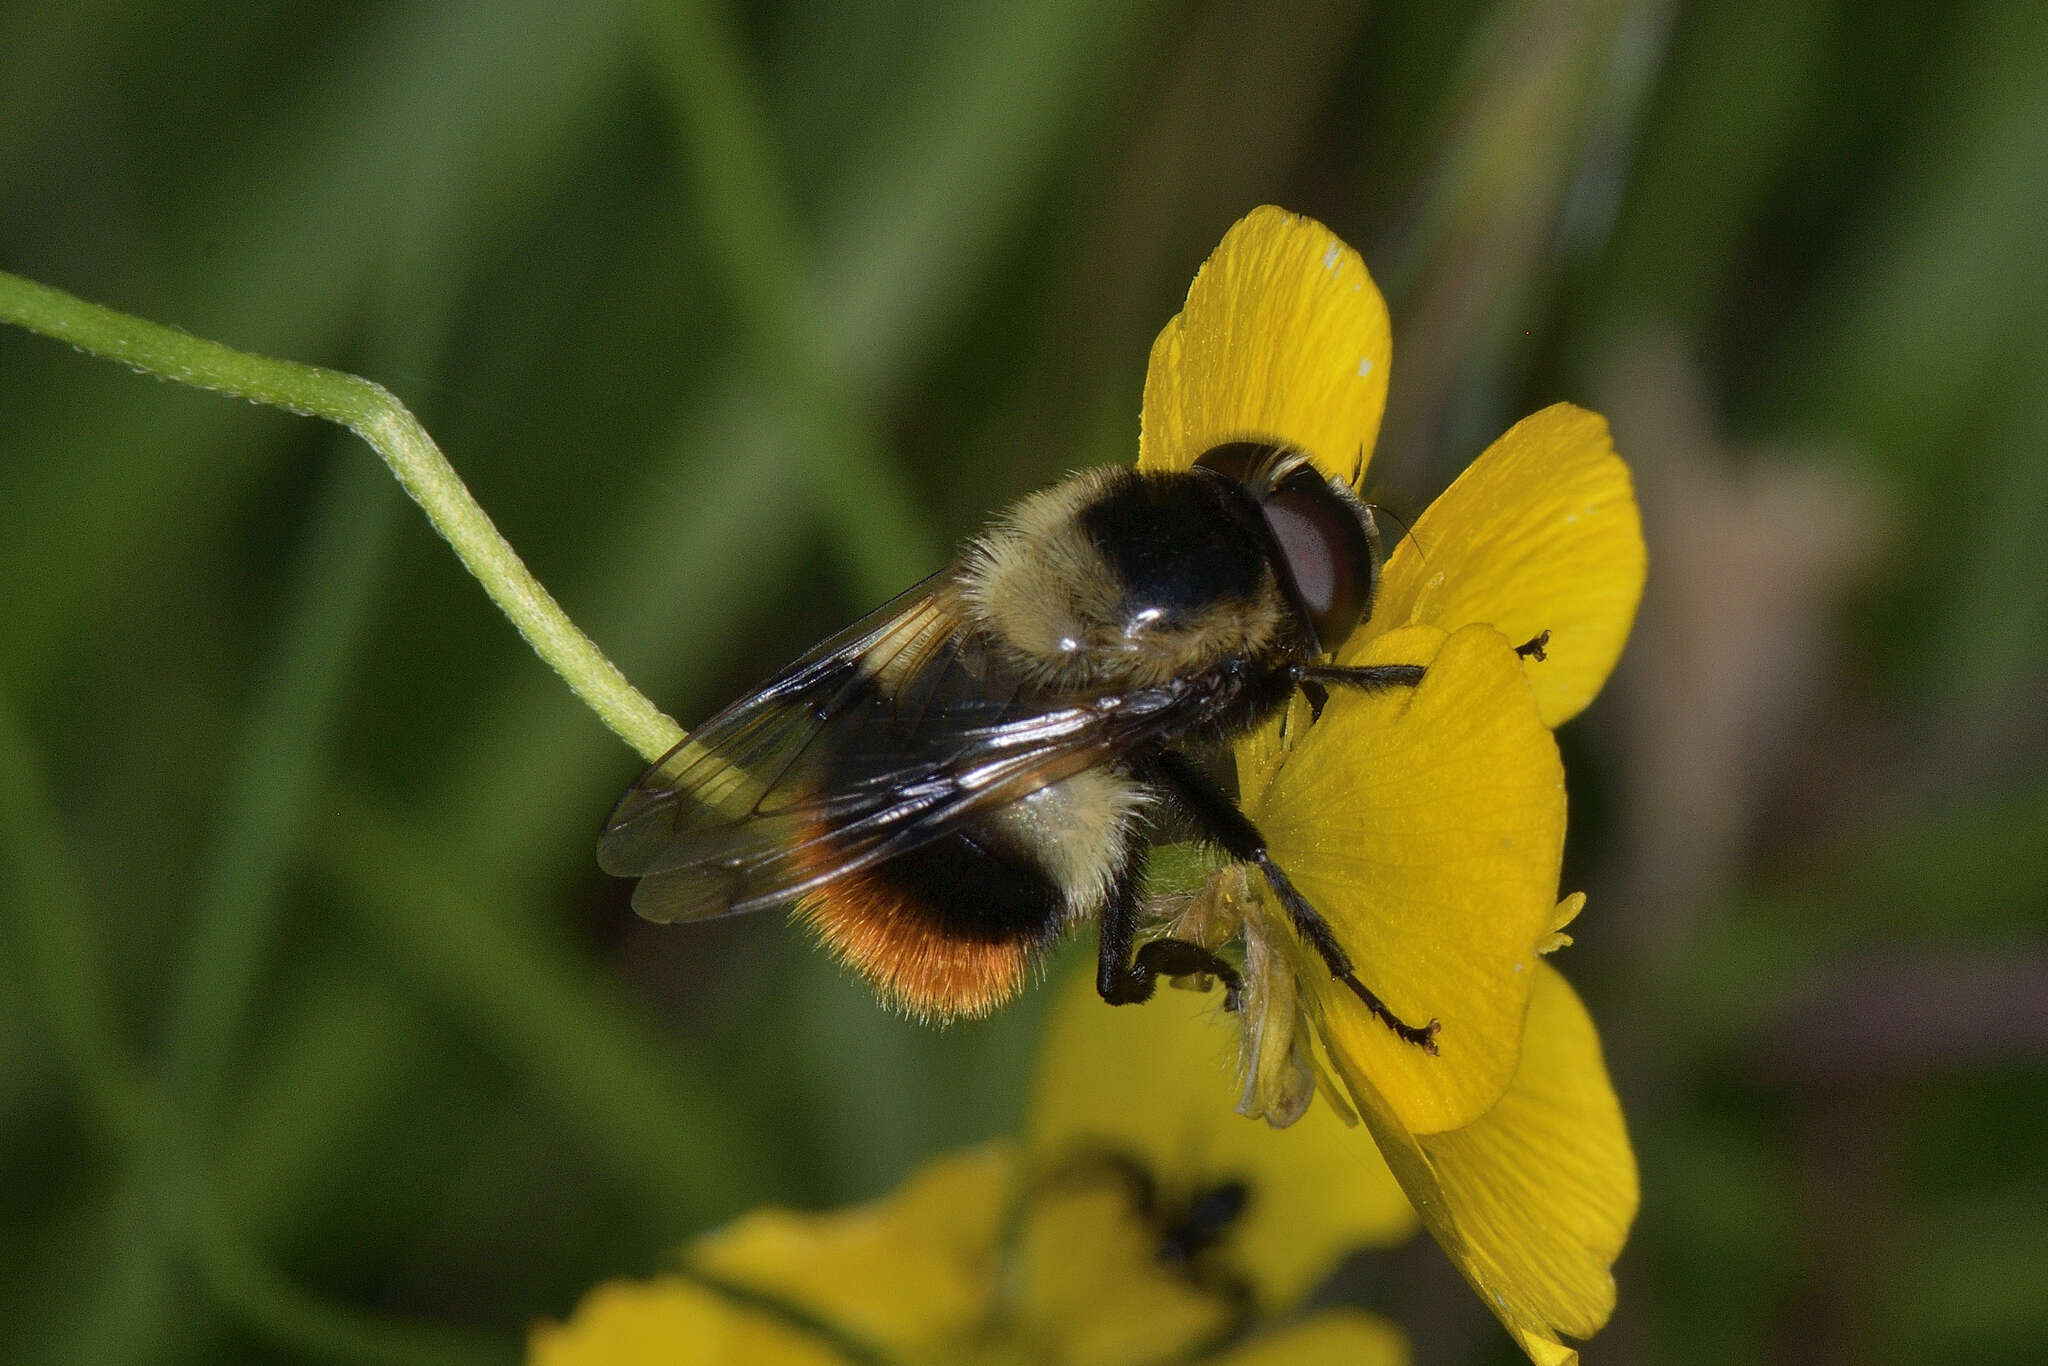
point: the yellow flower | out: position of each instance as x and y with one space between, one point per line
1138 1222
671 1321
1154 1086
1426 825
1533 1200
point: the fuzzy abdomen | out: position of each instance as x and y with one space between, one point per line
956 926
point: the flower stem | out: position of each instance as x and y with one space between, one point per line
375 414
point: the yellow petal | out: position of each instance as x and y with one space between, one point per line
1540 533
1427 826
1344 1336
1284 337
671 1322
1533 1202
1157 1082
903 1274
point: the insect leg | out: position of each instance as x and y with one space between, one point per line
1122 978
1218 817
1398 675
1370 676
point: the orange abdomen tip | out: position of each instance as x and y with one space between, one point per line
905 949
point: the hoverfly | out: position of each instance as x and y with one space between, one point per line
948 786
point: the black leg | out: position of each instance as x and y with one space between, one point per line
1218 817
1123 978
1371 677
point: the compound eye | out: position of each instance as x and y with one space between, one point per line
1326 552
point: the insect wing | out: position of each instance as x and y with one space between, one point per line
882 739
718 778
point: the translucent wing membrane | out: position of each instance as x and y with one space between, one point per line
720 775
883 738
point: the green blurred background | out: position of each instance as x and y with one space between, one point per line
322 1038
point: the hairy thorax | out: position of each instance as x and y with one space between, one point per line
1113 580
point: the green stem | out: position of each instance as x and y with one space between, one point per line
373 413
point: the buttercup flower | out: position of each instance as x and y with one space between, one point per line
1426 825
1139 1221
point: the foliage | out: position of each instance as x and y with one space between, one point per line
323 1038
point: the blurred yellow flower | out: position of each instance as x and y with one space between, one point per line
1139 1221
671 1321
1153 1087
1426 825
